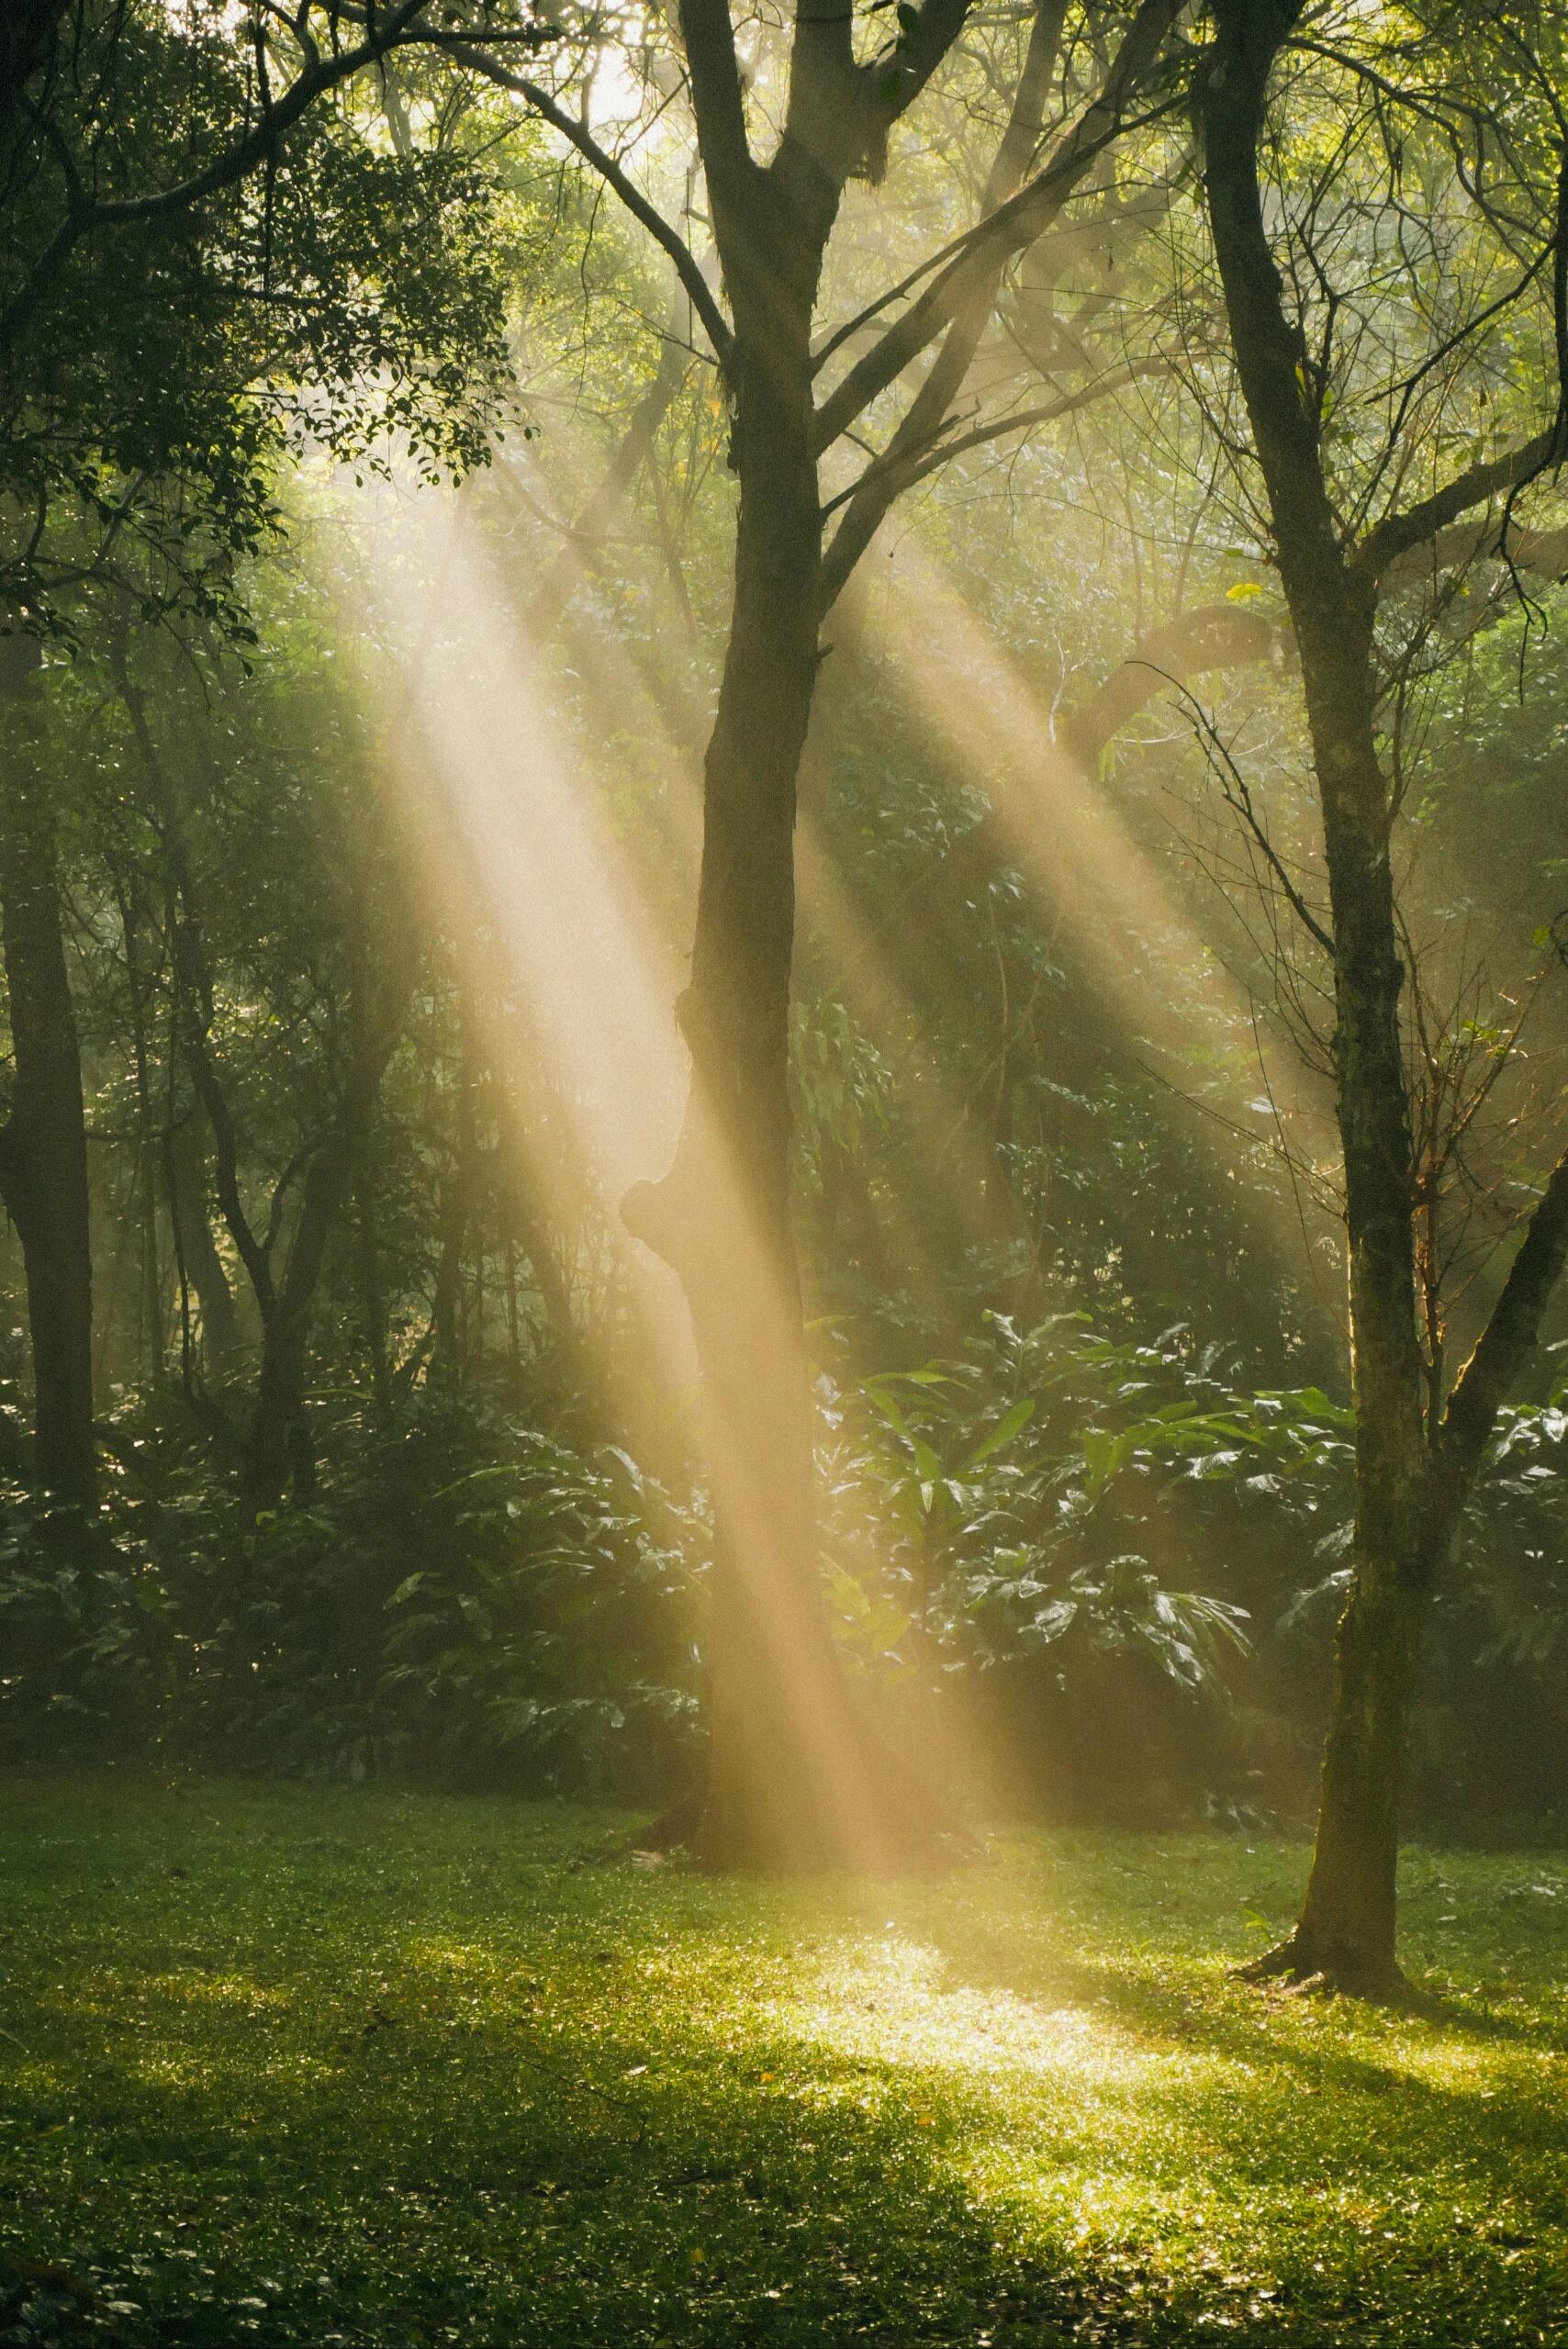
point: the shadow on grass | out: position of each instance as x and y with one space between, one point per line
436 2137
430 2083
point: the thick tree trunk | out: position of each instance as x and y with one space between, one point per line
1346 1933
794 1779
723 1216
43 1150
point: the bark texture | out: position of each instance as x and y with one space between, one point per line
794 1778
1411 1476
43 1144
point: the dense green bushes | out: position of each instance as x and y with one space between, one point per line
465 1598
1145 1563
1121 1570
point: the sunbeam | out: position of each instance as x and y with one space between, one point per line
1083 864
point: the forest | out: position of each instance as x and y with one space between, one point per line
784 1148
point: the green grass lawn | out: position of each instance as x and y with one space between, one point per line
349 2067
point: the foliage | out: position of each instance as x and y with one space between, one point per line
1117 1564
1040 1020
1147 1563
465 1597
171 368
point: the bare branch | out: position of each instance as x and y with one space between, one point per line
1237 794
1011 227
1398 534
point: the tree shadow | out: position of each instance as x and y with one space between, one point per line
429 2095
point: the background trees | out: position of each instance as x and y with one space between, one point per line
907 455
204 275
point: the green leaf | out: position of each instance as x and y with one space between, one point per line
1006 1428
1104 1453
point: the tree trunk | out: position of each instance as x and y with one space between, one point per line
372 1284
1346 1933
794 1779
1346 1929
723 1216
458 1192
43 1150
277 1448
278 1440
185 1182
1414 1467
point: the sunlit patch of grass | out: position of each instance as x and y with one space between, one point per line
357 2068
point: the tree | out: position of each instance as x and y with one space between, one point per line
792 1777
43 1146
1414 1464
366 1002
145 412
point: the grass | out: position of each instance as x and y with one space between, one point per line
350 2067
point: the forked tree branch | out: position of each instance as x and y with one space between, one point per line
888 476
1009 228
918 444
1512 1333
1401 533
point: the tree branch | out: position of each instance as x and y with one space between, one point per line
686 264
909 455
1512 1333
1542 550
1011 227
194 981
400 26
1400 534
889 475
920 50
319 74
554 591
1238 795
719 101
1212 636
